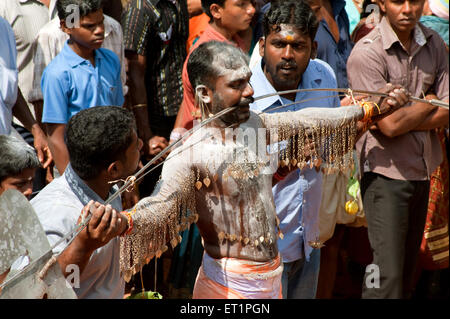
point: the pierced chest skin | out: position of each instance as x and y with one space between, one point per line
236 211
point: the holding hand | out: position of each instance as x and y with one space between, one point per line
154 146
398 97
105 224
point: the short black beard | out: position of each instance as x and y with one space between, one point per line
230 118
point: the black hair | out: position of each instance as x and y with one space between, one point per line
65 8
292 12
206 4
204 66
98 136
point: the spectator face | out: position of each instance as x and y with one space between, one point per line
22 182
402 14
286 53
235 15
91 31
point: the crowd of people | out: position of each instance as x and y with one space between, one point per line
91 91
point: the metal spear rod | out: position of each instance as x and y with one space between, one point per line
350 91
71 235
130 181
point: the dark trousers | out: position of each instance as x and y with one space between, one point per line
396 213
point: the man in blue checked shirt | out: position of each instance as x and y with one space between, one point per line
81 76
288 49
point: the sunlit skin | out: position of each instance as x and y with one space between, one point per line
235 16
403 16
22 182
89 36
286 52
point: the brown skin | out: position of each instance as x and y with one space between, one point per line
58 148
287 53
221 199
106 223
194 7
234 18
403 15
88 37
22 182
84 40
137 64
23 114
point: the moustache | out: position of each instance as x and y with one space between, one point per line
245 102
289 64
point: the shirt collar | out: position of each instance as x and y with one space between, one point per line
83 191
74 59
389 37
311 78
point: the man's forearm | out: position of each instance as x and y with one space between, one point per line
22 112
60 155
138 98
405 119
38 106
58 148
436 119
75 254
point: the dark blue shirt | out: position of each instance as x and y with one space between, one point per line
335 54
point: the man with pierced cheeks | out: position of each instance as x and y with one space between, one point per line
287 50
226 188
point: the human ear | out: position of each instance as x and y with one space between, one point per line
262 45
216 11
381 4
114 170
64 28
202 93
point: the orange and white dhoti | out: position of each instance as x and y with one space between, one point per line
232 278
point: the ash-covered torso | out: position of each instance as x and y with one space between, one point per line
233 192
225 184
